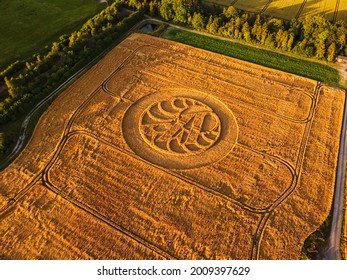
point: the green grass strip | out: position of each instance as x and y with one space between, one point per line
26 26
305 68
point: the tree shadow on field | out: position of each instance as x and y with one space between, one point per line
291 10
258 6
341 15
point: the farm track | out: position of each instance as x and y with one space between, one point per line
42 175
265 218
300 9
104 219
308 128
336 10
245 73
13 200
167 171
267 112
265 213
265 7
257 237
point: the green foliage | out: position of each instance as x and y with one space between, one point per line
198 22
166 10
178 10
2 143
315 244
25 83
331 52
312 36
33 79
230 12
271 59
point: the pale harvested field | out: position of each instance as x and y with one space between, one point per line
332 9
164 151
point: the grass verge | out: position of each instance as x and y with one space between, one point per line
316 241
305 68
11 131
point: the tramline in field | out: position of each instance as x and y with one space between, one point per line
333 10
164 151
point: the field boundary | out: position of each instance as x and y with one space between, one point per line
26 130
336 10
67 133
270 51
24 127
302 6
265 7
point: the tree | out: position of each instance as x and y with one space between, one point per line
269 42
246 32
284 42
2 142
264 33
180 11
10 87
331 52
279 37
153 8
198 21
213 25
230 12
166 10
320 50
256 29
290 41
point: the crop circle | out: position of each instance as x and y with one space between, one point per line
180 129
180 125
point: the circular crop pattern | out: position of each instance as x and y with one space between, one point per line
179 130
180 125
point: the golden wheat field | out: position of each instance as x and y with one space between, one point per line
333 10
164 151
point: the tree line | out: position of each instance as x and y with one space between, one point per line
24 83
312 36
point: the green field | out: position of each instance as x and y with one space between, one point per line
333 10
26 26
263 57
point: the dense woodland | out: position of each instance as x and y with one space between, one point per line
24 83
313 36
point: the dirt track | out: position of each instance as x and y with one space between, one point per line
259 195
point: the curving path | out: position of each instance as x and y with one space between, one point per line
332 251
23 133
23 130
